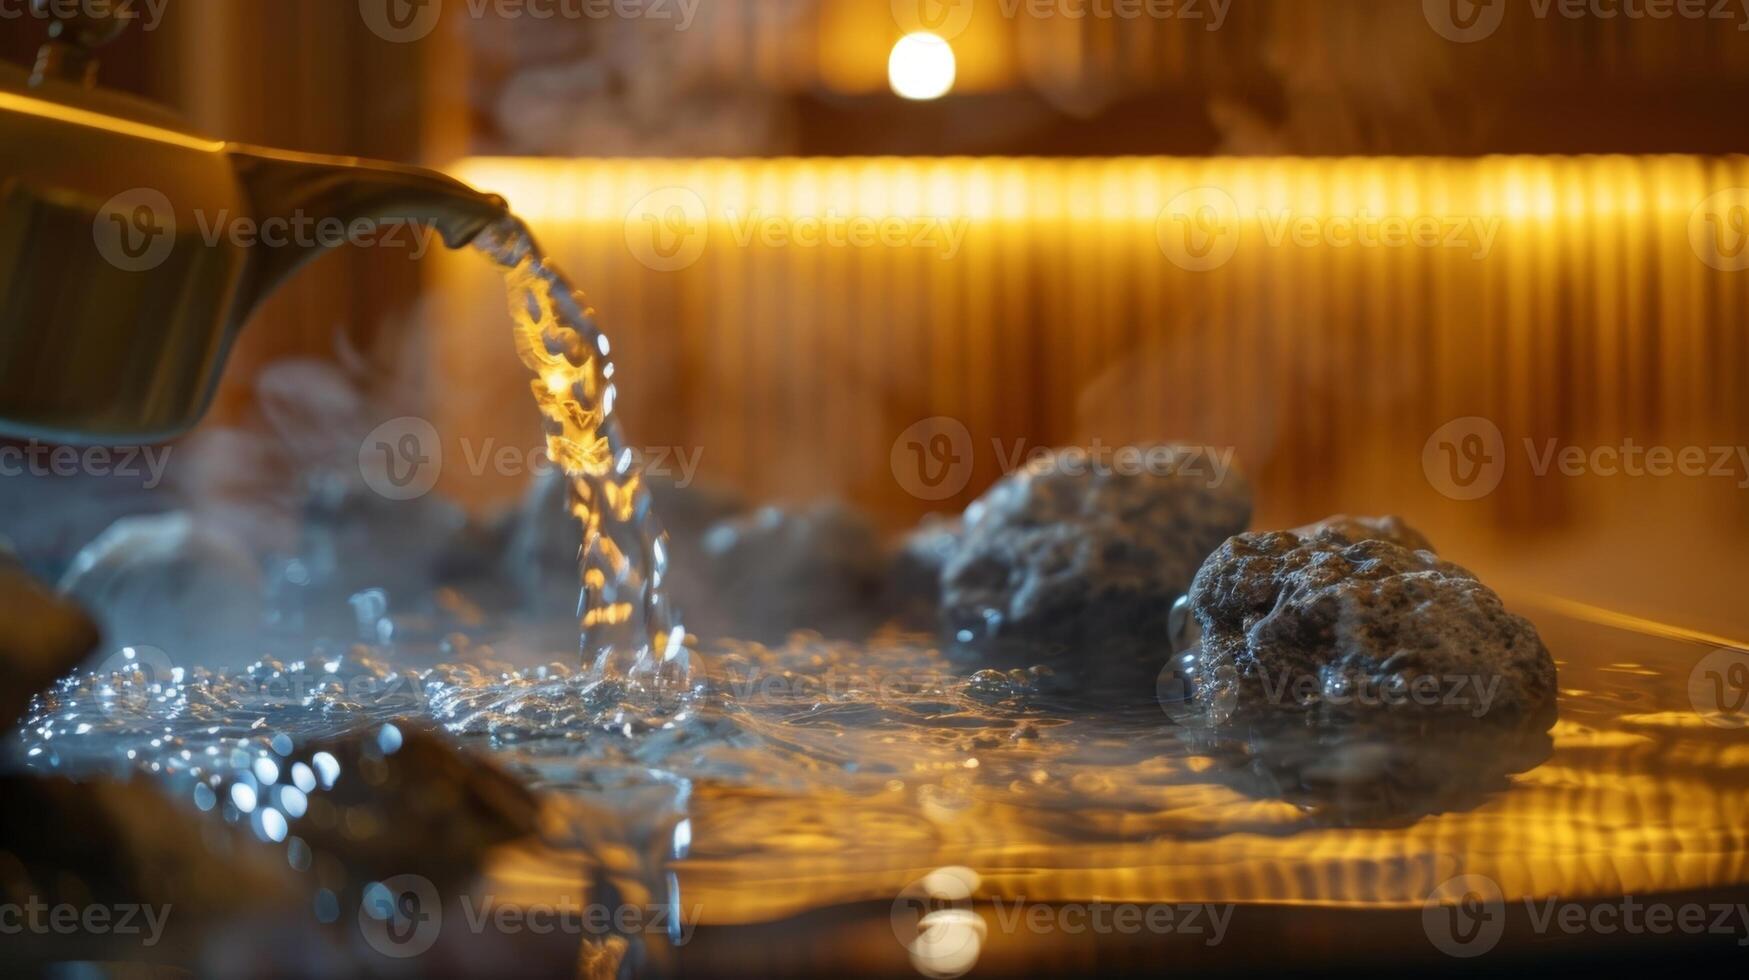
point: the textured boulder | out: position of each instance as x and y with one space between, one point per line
1340 629
171 582
778 570
1357 529
915 566
1072 551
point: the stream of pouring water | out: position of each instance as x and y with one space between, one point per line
630 628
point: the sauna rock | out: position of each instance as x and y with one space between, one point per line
914 572
353 539
1356 529
781 569
1343 629
1072 550
172 582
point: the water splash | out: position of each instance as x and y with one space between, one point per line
630 628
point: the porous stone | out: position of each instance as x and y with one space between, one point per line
781 569
1336 628
1072 551
171 582
1356 529
915 566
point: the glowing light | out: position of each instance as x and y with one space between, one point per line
921 67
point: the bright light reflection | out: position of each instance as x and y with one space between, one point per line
921 67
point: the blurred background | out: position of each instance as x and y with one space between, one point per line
1399 256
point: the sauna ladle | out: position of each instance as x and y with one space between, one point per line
118 301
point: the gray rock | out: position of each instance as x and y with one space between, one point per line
778 570
171 582
1357 529
44 637
1062 552
354 539
1338 629
915 566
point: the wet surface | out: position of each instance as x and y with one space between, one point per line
821 773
